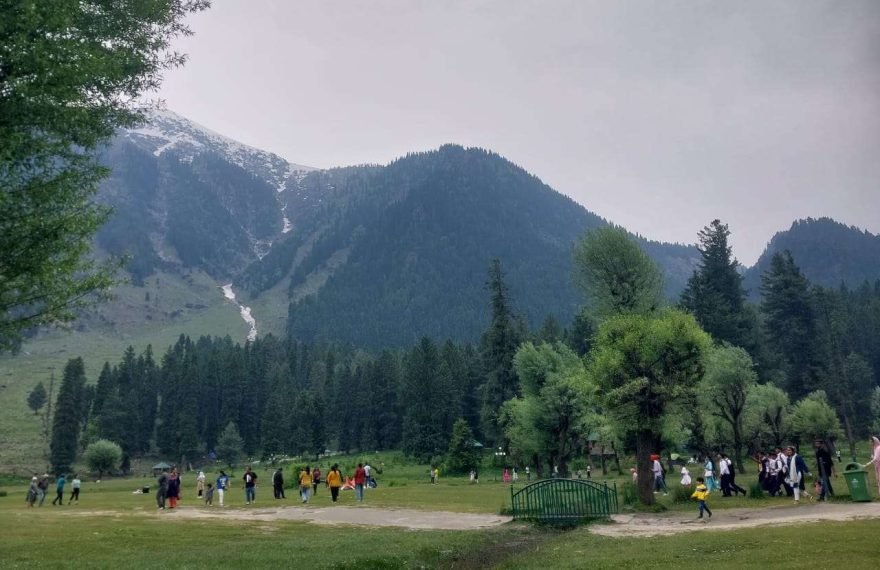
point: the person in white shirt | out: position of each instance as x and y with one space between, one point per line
74 489
368 472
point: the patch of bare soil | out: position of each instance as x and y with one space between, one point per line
625 526
362 516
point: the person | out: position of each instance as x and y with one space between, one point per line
316 480
200 484
797 468
472 476
173 488
709 475
431 474
305 484
278 483
74 489
528 474
685 476
701 493
783 472
476 475
368 471
250 486
825 469
772 481
32 492
513 475
634 473
436 474
589 471
875 459
43 488
657 469
360 478
59 489
222 485
334 482
162 489
209 494
731 473
505 476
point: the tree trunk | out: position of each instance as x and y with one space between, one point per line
602 459
616 460
644 447
737 447
849 435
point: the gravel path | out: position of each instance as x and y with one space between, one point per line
731 519
365 516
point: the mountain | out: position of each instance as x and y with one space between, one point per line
402 251
187 198
828 253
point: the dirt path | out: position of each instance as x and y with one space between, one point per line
731 519
366 516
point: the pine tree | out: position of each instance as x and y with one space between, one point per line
230 446
499 345
423 436
462 455
790 322
37 398
68 412
715 294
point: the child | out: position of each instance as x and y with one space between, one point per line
701 494
209 494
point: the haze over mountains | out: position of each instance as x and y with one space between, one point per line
378 255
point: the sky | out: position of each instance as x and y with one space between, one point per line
658 115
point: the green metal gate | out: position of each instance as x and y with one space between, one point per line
564 501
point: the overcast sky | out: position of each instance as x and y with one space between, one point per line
657 115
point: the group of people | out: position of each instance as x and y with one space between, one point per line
785 471
39 488
168 484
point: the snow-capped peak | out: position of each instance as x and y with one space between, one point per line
166 130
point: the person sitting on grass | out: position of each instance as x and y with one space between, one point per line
349 484
701 494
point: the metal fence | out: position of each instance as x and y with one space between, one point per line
564 501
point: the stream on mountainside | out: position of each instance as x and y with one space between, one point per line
244 311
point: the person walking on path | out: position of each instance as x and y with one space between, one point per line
709 475
162 489
334 482
797 470
875 459
222 485
825 468
200 484
74 489
702 494
731 470
250 486
278 484
360 479
43 488
657 469
305 484
173 489
59 488
316 480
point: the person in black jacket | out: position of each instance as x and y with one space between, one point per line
162 489
825 467
278 484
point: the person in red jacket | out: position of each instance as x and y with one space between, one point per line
360 479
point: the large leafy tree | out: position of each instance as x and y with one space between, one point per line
730 376
617 276
814 418
647 367
766 418
71 73
557 409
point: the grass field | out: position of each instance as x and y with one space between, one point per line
111 526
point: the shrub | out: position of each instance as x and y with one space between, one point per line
756 491
681 493
3 493
103 455
629 494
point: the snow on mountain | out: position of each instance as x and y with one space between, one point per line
166 130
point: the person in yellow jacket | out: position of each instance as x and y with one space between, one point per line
701 494
305 484
334 481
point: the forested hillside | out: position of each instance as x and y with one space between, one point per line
828 252
402 251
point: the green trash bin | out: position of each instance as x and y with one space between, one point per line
857 481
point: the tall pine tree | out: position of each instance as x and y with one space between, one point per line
68 417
